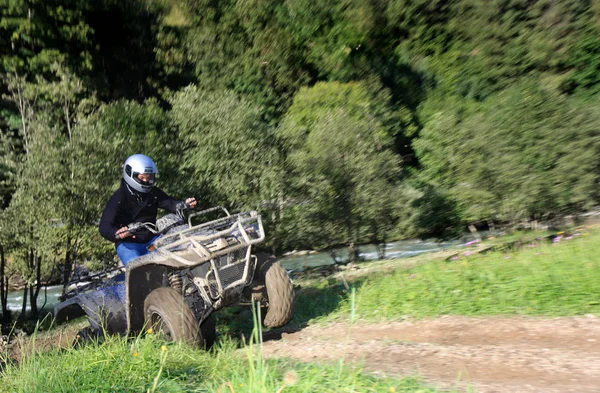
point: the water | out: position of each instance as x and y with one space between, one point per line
400 249
15 298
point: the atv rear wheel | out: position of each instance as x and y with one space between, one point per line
166 312
280 291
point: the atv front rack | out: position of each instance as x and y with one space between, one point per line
218 254
213 239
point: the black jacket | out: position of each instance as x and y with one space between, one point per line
127 206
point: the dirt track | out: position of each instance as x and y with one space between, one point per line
488 354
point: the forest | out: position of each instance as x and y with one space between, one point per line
343 122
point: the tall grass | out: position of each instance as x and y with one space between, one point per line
539 279
148 364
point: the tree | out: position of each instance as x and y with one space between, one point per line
343 169
246 47
525 154
425 210
35 34
8 164
229 150
102 141
124 60
5 240
24 95
119 129
47 202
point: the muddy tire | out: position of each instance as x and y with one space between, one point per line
167 313
280 291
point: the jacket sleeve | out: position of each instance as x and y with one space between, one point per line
165 201
108 220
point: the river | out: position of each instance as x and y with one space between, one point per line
15 298
400 249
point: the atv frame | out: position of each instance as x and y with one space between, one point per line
192 271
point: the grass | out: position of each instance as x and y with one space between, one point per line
148 364
518 236
555 279
538 279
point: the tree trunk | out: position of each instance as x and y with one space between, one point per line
38 278
353 249
33 303
352 252
474 232
67 268
381 242
334 256
274 238
24 306
492 228
3 287
32 268
35 288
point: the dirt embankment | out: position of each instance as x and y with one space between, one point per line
487 354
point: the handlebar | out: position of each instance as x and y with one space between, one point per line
136 227
182 206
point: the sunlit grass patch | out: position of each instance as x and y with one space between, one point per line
151 365
538 279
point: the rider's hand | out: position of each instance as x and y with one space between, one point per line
191 202
122 233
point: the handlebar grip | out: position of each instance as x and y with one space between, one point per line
134 226
182 206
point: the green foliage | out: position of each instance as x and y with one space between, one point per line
246 47
339 152
228 148
49 208
303 109
473 48
125 59
36 34
120 129
425 211
422 27
113 59
360 100
526 153
7 171
585 60
336 36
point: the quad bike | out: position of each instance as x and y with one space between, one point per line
192 271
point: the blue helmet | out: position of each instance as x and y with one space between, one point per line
136 165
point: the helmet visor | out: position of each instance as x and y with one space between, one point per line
145 179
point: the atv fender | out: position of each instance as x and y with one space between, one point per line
143 276
104 308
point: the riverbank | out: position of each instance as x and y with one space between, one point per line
295 262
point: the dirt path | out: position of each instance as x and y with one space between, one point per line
488 354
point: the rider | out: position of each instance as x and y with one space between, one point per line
137 200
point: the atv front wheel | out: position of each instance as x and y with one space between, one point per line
280 291
166 312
